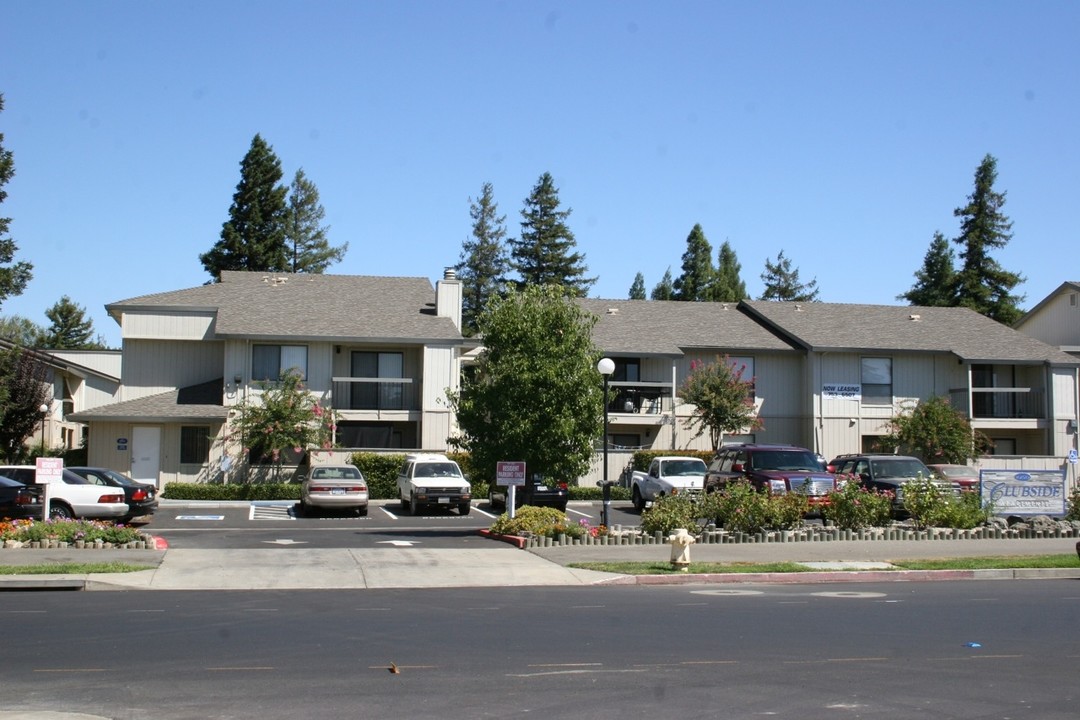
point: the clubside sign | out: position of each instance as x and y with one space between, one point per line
1024 492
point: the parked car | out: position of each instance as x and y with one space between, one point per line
141 498
964 476
18 501
777 468
334 487
74 497
538 492
667 475
430 479
888 472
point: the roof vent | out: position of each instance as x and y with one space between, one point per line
798 307
449 274
613 311
915 318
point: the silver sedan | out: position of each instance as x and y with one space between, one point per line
334 487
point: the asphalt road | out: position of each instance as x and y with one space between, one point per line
955 650
265 524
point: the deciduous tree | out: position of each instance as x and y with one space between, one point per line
546 254
253 238
484 261
305 235
936 432
536 395
21 331
723 399
13 275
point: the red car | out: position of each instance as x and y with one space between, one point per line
962 476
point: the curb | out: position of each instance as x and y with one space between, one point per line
518 542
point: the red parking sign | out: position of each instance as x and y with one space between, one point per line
509 473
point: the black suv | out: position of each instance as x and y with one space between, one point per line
776 468
887 472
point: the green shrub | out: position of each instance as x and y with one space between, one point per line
232 491
924 500
380 472
854 507
743 508
788 510
531 520
670 512
966 511
1072 509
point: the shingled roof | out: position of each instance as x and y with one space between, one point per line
971 337
309 307
202 402
668 328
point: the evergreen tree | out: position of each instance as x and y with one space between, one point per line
21 331
698 273
70 329
253 238
545 254
484 261
935 283
665 289
13 275
982 284
782 283
637 289
304 235
728 285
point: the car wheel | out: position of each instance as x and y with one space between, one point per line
562 508
464 508
301 509
639 502
60 511
414 507
404 502
361 511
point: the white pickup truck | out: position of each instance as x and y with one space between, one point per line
667 475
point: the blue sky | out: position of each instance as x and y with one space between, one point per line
843 133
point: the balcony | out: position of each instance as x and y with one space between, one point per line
640 398
1000 403
377 394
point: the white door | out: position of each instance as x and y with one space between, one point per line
145 454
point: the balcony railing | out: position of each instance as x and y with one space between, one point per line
1000 403
640 398
381 394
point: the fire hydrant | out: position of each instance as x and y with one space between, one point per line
680 549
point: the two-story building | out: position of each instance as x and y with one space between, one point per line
381 351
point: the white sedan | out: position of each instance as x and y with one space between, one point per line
334 487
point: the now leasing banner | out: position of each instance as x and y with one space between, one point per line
848 391
1024 492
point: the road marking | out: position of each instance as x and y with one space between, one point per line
239 669
842 594
267 511
398 543
730 591
285 542
200 517
392 515
69 670
577 512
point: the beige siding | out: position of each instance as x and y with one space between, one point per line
192 325
157 366
105 450
1057 323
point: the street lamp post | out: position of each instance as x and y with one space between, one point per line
606 366
44 410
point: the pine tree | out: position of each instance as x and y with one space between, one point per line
665 289
484 262
782 283
637 289
728 285
982 284
21 331
698 273
13 275
70 329
545 254
935 282
304 235
253 238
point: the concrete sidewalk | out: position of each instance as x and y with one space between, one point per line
502 565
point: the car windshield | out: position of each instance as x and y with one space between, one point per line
683 467
909 468
790 460
437 469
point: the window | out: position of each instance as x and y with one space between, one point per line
381 395
744 368
194 444
627 370
269 362
877 381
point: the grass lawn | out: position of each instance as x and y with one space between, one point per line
72 568
976 563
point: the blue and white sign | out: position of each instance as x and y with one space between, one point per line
1024 492
1072 456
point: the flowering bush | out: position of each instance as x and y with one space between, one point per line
853 507
69 531
670 512
1072 510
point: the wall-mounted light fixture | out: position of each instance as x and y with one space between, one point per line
237 379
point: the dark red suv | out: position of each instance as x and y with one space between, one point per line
776 468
